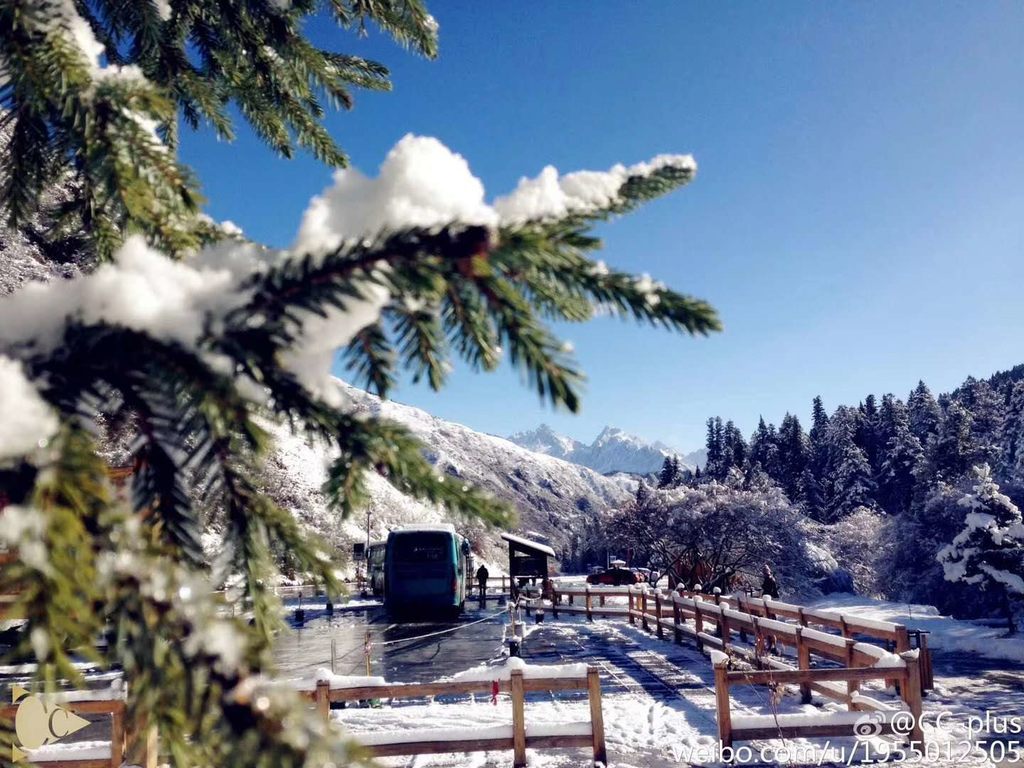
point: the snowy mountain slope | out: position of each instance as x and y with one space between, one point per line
553 498
612 451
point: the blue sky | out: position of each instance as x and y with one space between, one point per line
857 219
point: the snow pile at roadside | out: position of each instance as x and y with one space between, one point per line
531 671
946 633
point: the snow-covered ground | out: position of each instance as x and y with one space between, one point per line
659 704
945 633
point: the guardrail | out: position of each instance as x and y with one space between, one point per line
517 737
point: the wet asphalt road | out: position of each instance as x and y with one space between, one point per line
399 651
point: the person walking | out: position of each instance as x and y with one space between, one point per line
482 574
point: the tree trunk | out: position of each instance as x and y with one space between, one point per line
1011 625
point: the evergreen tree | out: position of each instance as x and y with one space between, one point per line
815 481
986 409
760 444
232 335
794 457
643 493
735 451
868 431
813 492
989 551
716 465
925 413
1012 437
901 458
849 477
951 450
669 472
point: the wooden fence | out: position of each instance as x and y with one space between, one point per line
517 737
712 621
786 726
140 747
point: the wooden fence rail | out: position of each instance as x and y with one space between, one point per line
138 745
712 621
769 621
731 729
518 738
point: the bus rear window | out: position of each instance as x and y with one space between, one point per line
422 548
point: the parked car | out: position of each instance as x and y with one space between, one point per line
616 577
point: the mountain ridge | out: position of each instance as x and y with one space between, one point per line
554 499
613 450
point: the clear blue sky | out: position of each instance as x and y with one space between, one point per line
857 219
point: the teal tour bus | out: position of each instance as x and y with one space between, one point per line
428 568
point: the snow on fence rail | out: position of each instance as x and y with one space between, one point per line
712 620
514 680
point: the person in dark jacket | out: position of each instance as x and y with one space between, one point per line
769 586
482 574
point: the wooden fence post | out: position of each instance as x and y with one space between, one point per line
722 702
323 699
152 748
141 745
589 600
657 615
677 619
852 686
518 719
723 628
912 695
629 594
596 715
902 646
803 655
698 623
925 658
117 738
643 608
556 598
743 604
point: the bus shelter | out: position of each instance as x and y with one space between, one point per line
527 560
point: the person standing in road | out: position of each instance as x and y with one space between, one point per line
482 575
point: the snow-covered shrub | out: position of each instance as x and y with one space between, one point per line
859 542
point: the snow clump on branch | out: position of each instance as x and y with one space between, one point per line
421 183
27 421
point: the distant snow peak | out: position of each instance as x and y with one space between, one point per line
614 450
545 440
